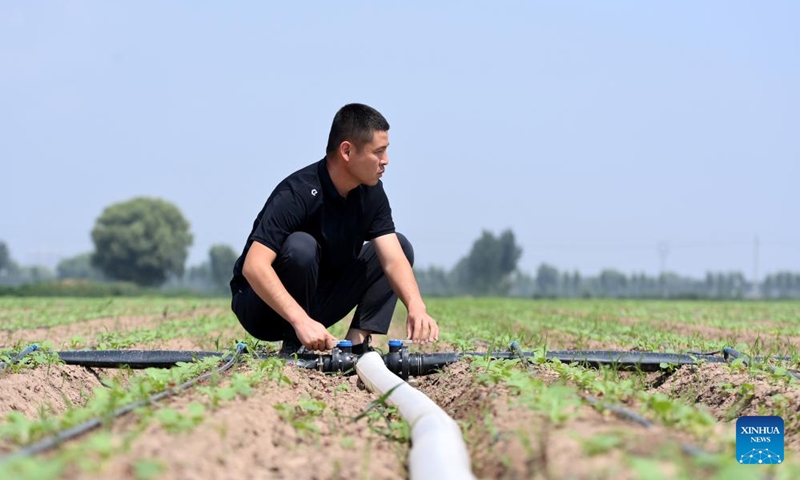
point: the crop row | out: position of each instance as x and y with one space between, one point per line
24 313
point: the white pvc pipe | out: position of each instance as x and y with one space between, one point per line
438 451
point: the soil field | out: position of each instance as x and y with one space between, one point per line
265 418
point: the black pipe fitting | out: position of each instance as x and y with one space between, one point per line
398 359
341 359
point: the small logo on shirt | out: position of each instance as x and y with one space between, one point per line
314 192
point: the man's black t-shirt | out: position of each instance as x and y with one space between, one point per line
307 201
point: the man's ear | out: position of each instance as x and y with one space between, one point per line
345 149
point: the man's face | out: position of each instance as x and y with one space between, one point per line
368 162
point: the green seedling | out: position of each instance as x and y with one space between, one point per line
343 387
145 469
600 444
302 415
174 421
378 410
386 421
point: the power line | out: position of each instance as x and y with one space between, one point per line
644 246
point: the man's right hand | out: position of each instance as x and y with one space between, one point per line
314 336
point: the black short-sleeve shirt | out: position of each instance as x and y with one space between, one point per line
307 201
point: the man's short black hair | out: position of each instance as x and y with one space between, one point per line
355 123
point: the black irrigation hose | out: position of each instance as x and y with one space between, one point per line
590 399
18 357
420 364
626 414
616 409
407 364
728 351
399 361
132 358
619 411
517 350
732 354
89 425
645 361
713 352
415 364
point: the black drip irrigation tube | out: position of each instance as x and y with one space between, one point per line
16 358
89 425
405 364
400 361
132 358
732 354
617 410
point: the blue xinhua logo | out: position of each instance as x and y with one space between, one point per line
759 440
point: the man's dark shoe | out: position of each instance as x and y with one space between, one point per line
291 346
363 348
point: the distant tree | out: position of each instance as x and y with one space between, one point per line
722 290
739 284
710 285
546 280
142 240
198 278
766 287
781 285
522 285
577 283
79 267
612 283
434 281
5 258
634 285
786 284
33 274
667 284
565 285
221 259
487 268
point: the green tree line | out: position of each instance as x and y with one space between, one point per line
145 241
490 268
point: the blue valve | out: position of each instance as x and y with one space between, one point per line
395 345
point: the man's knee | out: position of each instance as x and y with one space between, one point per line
300 250
407 248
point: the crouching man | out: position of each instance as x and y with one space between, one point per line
306 265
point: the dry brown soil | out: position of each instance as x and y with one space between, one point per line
247 437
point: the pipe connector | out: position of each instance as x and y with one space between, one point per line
341 358
398 359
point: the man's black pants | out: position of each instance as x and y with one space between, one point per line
326 300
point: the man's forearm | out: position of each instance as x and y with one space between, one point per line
401 279
266 283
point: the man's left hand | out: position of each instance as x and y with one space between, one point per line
421 327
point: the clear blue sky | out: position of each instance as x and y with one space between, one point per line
595 130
